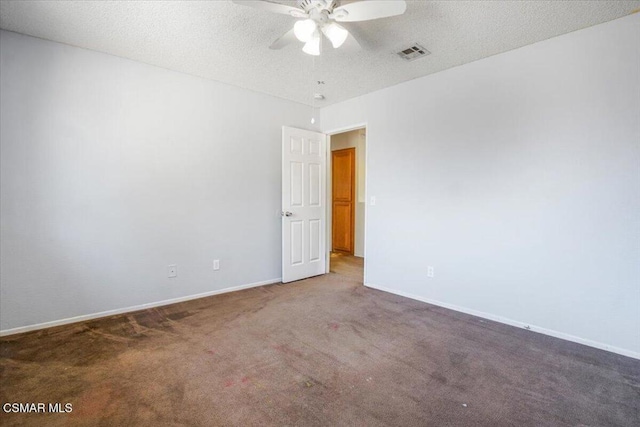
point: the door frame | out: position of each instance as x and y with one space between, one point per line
329 187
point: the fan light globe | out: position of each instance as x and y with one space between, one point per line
336 34
304 30
312 47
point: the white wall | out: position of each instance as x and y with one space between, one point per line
356 139
518 178
112 170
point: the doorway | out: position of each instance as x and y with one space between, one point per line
347 200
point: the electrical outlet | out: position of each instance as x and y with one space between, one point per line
373 201
430 271
216 264
173 270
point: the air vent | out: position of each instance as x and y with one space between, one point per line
413 52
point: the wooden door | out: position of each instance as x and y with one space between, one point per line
303 203
343 199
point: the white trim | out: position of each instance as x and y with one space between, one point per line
346 129
367 207
328 234
506 321
92 316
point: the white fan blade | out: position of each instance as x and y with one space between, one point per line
273 7
287 38
367 10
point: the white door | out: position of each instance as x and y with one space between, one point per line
304 157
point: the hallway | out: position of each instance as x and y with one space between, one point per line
347 265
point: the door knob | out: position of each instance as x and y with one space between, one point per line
286 213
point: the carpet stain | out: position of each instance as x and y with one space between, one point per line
113 337
438 377
94 402
457 359
285 349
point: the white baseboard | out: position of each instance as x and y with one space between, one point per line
511 322
92 316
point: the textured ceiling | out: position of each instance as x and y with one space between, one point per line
226 42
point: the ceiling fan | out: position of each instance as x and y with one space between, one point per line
318 17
